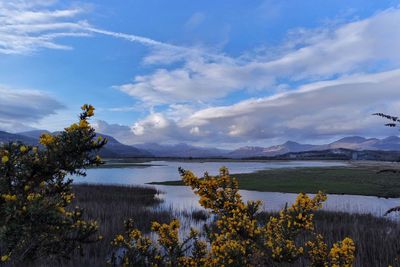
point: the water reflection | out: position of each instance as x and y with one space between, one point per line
182 198
158 171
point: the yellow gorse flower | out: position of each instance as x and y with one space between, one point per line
83 124
342 253
89 109
4 159
46 139
68 197
33 196
9 197
5 258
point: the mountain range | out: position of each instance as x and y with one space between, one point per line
115 149
356 143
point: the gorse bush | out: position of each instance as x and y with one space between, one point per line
36 219
235 237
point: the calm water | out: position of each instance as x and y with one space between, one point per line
181 197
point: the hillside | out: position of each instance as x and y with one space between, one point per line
113 148
9 137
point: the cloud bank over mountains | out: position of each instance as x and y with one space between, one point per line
320 110
323 83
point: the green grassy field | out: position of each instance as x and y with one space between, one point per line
354 180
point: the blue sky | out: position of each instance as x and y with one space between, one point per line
217 73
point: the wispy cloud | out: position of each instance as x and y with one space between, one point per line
26 26
135 38
195 20
323 54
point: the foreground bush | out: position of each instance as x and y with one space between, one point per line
234 238
36 220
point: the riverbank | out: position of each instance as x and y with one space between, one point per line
360 178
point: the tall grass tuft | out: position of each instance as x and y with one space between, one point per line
376 239
110 205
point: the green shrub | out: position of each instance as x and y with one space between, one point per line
36 220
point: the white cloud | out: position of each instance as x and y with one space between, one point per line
120 132
349 48
155 121
154 128
316 110
26 26
20 109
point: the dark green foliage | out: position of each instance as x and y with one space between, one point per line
36 220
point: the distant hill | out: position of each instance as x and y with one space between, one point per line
248 151
35 134
182 150
9 137
353 142
113 148
361 143
389 143
340 154
254 151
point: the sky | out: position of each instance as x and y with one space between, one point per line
212 73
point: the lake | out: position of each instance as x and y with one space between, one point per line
181 197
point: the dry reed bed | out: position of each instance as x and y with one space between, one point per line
376 238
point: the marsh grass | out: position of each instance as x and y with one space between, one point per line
110 206
376 239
